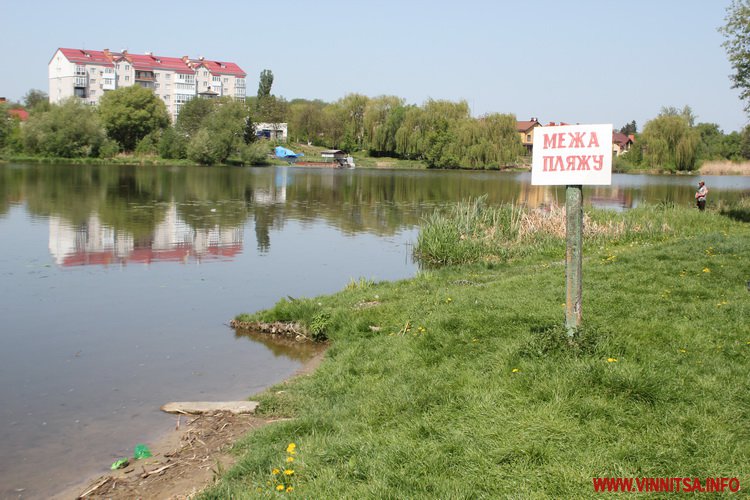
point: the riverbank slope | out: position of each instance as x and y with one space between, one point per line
461 382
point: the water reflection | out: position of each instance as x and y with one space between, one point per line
173 239
281 346
116 215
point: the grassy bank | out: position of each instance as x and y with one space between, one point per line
460 383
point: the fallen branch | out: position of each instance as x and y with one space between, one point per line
158 471
95 487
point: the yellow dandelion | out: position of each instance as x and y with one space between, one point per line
449 300
280 487
288 472
706 270
611 360
289 459
515 370
291 449
275 472
683 350
289 489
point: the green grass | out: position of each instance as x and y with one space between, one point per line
468 387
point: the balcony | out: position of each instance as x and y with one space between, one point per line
79 82
80 71
144 76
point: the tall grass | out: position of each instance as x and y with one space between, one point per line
472 232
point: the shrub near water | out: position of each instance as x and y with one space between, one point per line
469 388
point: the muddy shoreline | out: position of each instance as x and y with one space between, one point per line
186 460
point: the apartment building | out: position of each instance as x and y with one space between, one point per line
88 74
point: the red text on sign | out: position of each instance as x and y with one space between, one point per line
573 162
571 140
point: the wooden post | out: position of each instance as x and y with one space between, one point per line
573 257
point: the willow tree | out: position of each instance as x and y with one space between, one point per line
353 114
411 135
736 31
382 118
669 142
305 119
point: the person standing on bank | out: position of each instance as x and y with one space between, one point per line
700 196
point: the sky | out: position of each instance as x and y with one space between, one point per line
580 61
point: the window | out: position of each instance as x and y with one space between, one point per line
109 70
127 67
92 93
226 80
167 76
127 78
205 73
217 78
528 137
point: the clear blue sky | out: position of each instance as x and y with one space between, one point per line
587 61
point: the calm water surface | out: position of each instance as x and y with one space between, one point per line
118 282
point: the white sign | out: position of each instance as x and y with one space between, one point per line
572 155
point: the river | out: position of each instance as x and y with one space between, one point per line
118 283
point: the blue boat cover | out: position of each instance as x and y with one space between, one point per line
282 152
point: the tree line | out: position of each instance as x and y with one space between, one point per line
442 134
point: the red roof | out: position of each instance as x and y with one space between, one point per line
220 68
523 126
151 62
621 139
80 56
19 113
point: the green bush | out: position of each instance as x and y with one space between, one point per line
173 144
149 145
109 148
255 153
203 150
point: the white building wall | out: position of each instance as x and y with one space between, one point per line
163 88
61 78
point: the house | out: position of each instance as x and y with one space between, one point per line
88 74
273 131
621 143
525 130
